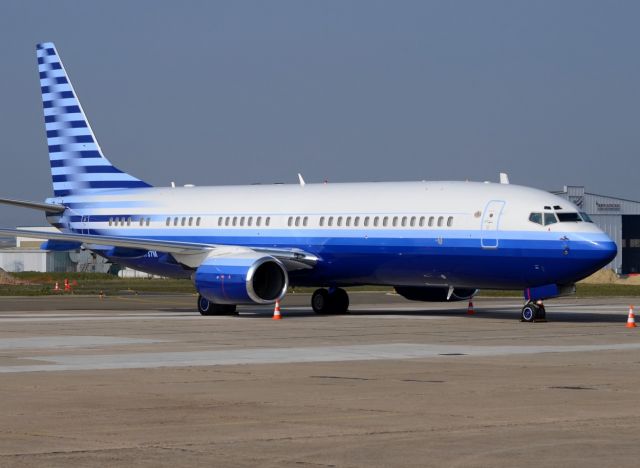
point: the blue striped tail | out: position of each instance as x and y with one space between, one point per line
77 163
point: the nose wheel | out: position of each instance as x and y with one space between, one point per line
533 312
333 301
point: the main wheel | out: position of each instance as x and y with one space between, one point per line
320 301
529 312
334 302
206 307
339 301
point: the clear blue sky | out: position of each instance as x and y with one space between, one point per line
233 92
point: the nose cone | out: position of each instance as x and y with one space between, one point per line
595 252
606 251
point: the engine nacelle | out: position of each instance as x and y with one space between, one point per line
434 293
242 279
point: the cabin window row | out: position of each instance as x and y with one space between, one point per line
244 221
183 221
384 221
124 220
301 221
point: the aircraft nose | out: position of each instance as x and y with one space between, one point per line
604 250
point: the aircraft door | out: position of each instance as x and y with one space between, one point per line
491 224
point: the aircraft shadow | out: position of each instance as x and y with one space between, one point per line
480 314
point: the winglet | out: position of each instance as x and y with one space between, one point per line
504 178
302 182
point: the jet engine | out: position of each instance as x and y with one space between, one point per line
435 293
248 278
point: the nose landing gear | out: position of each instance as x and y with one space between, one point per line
533 311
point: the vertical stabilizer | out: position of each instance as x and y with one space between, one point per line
77 163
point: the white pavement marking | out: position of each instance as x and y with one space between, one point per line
108 318
290 355
40 342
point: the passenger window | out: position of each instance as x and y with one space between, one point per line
297 221
422 221
431 220
141 221
536 218
290 221
450 221
129 221
190 220
110 221
198 221
550 218
226 221
249 220
413 221
305 221
395 221
348 223
356 221
330 220
168 221
235 220
220 221
148 221
339 221
375 221
440 221
321 221
242 221
404 221
385 221
258 220
267 221
184 221
366 221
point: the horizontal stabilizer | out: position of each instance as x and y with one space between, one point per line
48 207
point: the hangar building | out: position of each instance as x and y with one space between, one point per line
618 217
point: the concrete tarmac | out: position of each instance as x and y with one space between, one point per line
146 381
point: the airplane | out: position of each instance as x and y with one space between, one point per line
431 241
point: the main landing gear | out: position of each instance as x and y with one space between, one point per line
206 307
533 311
332 301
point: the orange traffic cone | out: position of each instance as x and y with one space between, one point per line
67 286
631 321
276 311
470 310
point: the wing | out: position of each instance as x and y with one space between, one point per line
188 253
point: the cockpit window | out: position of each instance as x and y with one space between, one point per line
550 218
570 217
536 218
585 217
